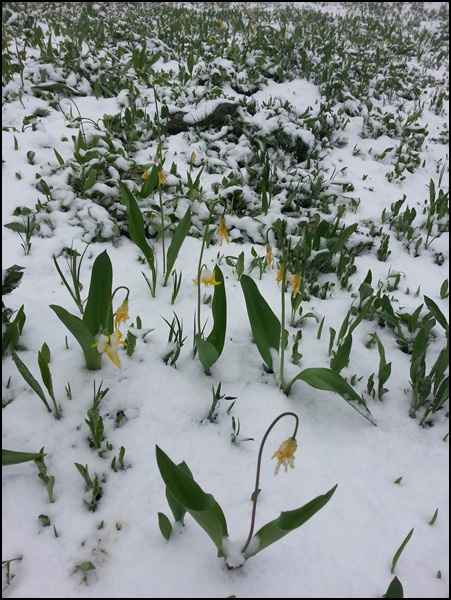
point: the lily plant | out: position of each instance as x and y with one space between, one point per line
184 495
271 337
210 347
97 331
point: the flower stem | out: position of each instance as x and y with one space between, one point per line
257 477
199 271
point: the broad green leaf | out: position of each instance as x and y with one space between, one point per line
136 223
341 358
13 330
45 372
437 313
165 525
286 522
208 354
75 325
11 278
178 238
322 378
150 183
201 506
266 328
27 375
395 589
11 457
219 311
16 227
98 314
336 244
177 509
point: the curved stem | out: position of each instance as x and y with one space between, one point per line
121 287
199 271
257 477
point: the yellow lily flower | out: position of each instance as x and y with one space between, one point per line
121 314
223 235
285 454
161 178
207 277
145 175
269 255
295 283
110 344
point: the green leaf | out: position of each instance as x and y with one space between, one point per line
27 375
59 158
150 183
16 227
341 358
437 313
266 328
39 90
165 525
208 354
434 517
201 506
13 330
98 314
322 378
400 550
11 457
75 325
177 509
178 238
136 223
219 311
286 522
45 372
394 590
11 278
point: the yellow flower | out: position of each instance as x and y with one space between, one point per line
285 454
269 255
193 157
161 178
207 277
223 25
145 175
295 283
121 314
223 235
110 344
294 280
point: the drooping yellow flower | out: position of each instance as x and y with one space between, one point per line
285 454
223 25
295 283
121 314
223 235
269 256
161 178
145 175
110 344
193 157
207 277
293 280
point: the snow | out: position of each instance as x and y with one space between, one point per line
391 477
